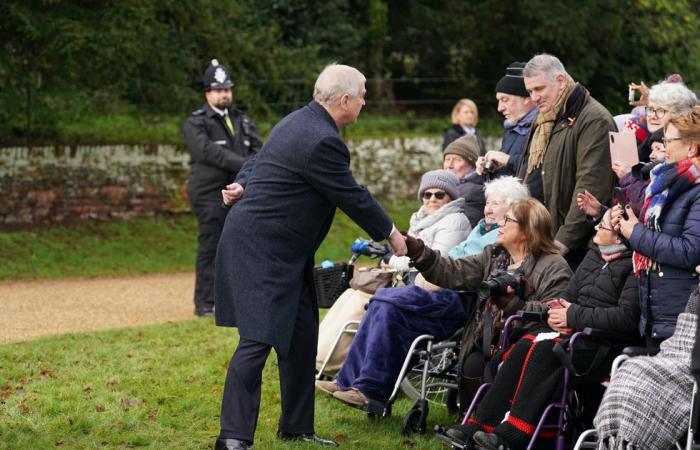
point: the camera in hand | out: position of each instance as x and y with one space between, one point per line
490 166
643 171
496 286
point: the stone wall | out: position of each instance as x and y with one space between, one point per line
54 184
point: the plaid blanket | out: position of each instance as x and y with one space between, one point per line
647 404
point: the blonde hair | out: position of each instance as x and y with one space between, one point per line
536 224
688 125
469 104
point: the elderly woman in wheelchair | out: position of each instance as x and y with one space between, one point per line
524 244
648 402
603 294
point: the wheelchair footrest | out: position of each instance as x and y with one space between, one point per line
375 408
441 435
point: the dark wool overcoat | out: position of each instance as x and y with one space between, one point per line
266 253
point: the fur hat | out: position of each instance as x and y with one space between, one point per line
513 82
439 179
467 147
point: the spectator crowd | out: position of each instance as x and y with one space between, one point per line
593 241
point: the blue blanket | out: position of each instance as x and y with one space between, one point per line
395 317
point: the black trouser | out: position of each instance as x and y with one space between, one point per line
241 401
210 218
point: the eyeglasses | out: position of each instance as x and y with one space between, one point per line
603 227
658 112
666 140
507 219
438 195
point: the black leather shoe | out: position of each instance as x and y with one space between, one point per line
204 312
232 444
310 438
489 441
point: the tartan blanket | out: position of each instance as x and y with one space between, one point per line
647 404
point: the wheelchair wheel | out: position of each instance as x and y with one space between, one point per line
440 367
414 421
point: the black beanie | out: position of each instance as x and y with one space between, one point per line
513 83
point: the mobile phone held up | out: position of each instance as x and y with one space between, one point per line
621 200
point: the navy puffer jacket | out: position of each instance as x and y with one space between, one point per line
664 291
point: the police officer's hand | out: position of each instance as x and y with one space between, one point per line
232 193
398 244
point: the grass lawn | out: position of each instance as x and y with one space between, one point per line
156 387
137 246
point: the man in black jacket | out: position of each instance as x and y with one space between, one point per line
220 139
264 264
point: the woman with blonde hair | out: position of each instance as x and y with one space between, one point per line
465 117
666 237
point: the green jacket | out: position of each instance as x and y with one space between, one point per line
577 159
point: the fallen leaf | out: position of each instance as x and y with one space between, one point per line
129 402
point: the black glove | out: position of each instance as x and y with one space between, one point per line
387 256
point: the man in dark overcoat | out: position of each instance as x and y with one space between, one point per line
220 139
285 199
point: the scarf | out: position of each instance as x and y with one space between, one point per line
611 252
667 183
565 104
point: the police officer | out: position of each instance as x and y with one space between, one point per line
220 139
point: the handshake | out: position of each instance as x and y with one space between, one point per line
402 244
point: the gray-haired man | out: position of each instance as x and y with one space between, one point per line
285 200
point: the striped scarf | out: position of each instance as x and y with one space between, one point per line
667 183
544 124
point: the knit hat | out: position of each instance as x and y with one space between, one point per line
467 147
439 179
513 83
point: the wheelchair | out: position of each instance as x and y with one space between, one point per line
589 438
559 417
428 374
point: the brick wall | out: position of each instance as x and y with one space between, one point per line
54 184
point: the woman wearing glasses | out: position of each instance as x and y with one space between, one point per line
666 237
524 245
602 294
665 100
440 220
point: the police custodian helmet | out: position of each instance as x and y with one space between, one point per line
216 76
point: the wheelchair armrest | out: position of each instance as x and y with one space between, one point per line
609 334
532 316
639 351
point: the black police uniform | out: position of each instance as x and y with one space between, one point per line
216 156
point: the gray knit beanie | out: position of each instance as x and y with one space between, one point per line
439 179
467 147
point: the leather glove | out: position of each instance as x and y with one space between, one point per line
415 247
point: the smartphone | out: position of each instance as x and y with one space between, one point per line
554 304
620 200
630 94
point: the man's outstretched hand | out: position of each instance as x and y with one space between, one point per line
397 242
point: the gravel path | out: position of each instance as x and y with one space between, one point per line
29 309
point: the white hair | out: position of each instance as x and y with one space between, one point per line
544 63
676 96
336 80
509 187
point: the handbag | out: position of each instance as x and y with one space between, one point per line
369 280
